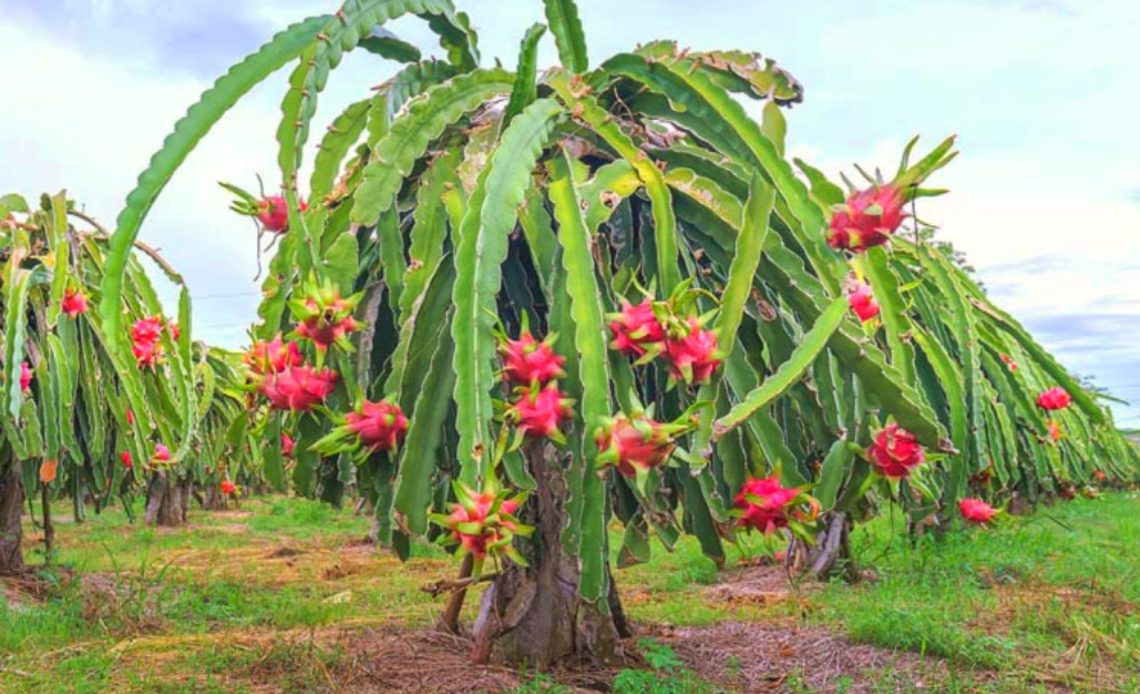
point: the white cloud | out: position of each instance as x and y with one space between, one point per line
91 124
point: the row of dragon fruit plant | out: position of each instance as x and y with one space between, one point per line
514 309
82 423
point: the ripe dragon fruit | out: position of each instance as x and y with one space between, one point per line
636 330
540 413
298 388
227 487
637 443
147 329
692 355
483 523
273 213
73 303
128 462
862 301
764 504
378 426
145 335
325 317
895 452
867 219
976 511
527 360
25 377
287 444
130 417
147 354
273 356
1054 399
161 454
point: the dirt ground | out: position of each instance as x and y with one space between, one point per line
735 656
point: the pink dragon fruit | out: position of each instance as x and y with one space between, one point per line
147 329
273 213
298 388
379 426
636 330
478 526
765 504
895 452
540 413
145 335
26 376
863 302
692 355
527 361
867 219
273 356
1054 399
632 444
976 511
325 317
73 303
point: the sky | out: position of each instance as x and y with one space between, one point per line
1041 93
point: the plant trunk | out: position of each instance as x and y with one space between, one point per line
373 537
78 498
49 527
534 615
830 556
449 620
167 500
11 508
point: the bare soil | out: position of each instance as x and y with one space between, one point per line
757 584
755 657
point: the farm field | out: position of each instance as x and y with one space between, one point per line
282 595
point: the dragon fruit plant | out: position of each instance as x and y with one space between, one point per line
98 425
675 292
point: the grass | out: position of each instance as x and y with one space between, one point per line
1054 598
1056 595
